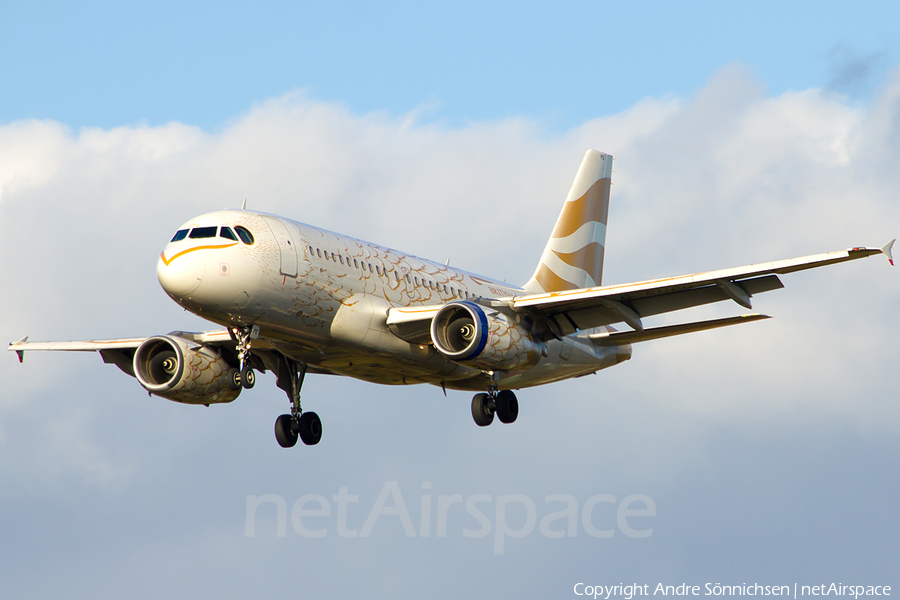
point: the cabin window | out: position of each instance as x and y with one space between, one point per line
445 288
370 267
397 275
244 234
378 269
318 253
203 232
417 281
180 235
408 279
341 258
355 264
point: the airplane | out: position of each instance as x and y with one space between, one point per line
296 299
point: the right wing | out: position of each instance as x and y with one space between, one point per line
122 345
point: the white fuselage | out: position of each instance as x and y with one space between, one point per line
322 299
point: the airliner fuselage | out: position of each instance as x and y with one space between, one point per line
323 299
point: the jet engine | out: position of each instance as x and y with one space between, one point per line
184 371
483 338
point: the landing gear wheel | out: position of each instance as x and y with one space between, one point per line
507 406
284 432
234 379
481 410
310 428
248 377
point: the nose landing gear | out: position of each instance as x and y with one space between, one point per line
243 337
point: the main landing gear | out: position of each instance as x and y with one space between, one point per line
503 403
305 425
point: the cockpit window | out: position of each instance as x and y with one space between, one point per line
203 232
244 234
227 233
180 235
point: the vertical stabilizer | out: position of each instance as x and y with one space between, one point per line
573 257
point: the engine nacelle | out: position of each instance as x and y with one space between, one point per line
184 371
483 338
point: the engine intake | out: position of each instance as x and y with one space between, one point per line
480 337
184 371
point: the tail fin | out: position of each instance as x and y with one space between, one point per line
573 257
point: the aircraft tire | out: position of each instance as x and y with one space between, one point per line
482 414
310 428
248 377
507 406
234 379
285 435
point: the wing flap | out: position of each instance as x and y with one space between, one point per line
618 338
656 305
576 319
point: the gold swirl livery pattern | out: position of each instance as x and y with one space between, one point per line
573 258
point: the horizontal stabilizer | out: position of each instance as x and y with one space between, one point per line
618 338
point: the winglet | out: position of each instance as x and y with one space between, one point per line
887 251
21 353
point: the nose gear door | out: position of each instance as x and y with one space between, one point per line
286 246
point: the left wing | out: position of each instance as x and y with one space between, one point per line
569 311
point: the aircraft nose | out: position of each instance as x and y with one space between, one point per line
180 274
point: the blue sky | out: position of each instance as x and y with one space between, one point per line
108 63
741 134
